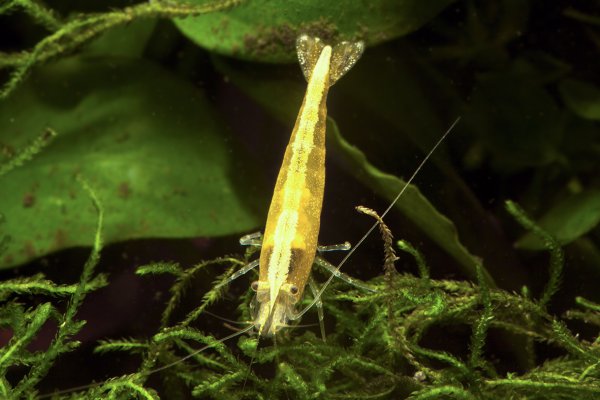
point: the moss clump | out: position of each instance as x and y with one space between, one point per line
378 348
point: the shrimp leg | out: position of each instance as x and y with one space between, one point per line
314 289
247 268
334 247
252 239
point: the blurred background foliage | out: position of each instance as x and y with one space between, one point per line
179 123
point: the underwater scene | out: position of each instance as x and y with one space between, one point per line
301 199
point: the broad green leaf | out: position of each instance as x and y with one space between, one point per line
282 98
567 220
147 142
583 98
266 30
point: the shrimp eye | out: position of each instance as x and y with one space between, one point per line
254 285
294 290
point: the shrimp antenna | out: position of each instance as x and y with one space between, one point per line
153 371
387 210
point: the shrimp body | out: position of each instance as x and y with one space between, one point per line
292 228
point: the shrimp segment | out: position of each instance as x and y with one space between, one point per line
290 240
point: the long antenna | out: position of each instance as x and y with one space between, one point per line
387 210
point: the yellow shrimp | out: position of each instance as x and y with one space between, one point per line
292 228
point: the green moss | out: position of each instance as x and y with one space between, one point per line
396 318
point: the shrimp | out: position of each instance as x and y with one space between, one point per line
292 228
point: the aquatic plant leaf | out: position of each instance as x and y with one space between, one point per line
148 142
259 30
583 98
567 220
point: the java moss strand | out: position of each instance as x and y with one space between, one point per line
38 285
557 257
419 259
481 326
587 304
43 15
28 152
547 387
448 391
